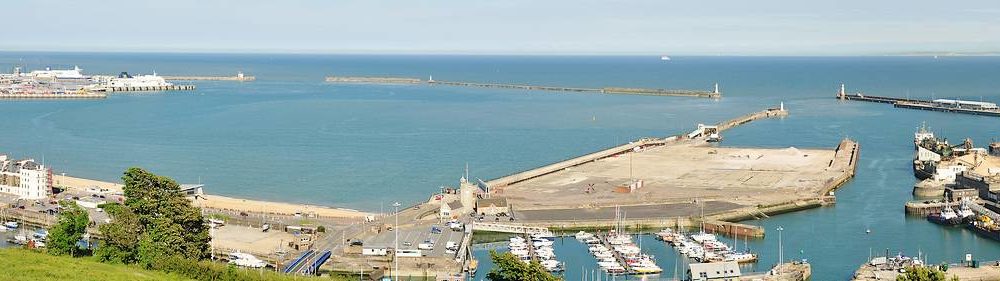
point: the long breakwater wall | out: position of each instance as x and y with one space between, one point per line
604 90
239 78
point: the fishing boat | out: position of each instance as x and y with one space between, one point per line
985 226
947 216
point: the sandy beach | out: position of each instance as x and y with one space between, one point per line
222 202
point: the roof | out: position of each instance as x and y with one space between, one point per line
715 270
455 205
498 202
977 103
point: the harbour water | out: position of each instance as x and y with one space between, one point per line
288 136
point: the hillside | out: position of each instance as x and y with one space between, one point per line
27 265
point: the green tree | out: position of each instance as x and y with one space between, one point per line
924 273
507 267
71 227
155 222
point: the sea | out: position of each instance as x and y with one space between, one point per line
289 136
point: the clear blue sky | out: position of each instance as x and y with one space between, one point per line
730 27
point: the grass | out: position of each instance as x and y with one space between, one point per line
20 264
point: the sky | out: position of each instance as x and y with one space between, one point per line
724 27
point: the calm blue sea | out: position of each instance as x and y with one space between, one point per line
291 137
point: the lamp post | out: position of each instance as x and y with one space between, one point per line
781 251
395 249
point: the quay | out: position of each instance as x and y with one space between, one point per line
667 182
888 268
149 88
240 77
605 90
940 105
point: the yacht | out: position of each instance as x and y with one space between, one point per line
245 260
583 235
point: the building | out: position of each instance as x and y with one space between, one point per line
988 187
492 206
450 210
25 178
714 271
192 189
975 105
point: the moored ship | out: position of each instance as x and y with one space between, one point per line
985 226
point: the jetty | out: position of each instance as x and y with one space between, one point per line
240 77
940 105
715 93
149 88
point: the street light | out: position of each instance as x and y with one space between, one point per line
395 249
781 251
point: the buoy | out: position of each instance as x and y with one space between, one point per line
868 231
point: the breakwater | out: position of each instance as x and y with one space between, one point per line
373 80
604 90
951 106
239 77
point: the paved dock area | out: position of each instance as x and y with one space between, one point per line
673 176
410 237
252 240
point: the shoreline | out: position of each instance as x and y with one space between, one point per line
222 202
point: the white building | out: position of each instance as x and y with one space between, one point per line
25 178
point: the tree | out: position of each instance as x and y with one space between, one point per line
64 235
507 267
923 273
156 221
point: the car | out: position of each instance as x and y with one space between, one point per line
427 245
435 230
243 214
407 244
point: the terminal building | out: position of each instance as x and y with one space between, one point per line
25 178
974 105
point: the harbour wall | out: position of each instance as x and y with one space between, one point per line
641 143
239 78
150 88
604 90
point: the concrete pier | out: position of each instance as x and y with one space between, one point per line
150 88
916 104
668 182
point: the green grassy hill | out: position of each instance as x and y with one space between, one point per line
19 264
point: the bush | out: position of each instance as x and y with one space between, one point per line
320 229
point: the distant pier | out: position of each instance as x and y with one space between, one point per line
941 105
53 96
715 93
240 77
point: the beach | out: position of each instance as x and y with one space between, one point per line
220 202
